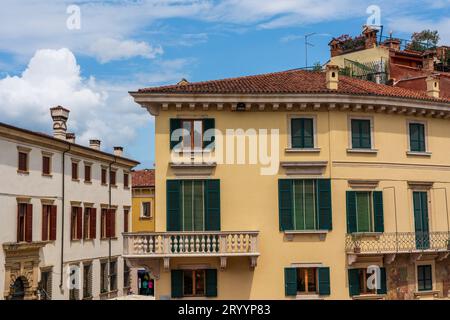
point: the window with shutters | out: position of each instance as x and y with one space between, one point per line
305 205
104 176
425 278
49 222
87 173
146 210
364 212
193 209
87 280
417 138
76 223
45 285
308 280
108 223
194 283
126 180
104 277
22 165
363 282
195 136
112 178
75 170
126 219
89 223
113 275
361 134
103 223
24 222
46 165
302 132
74 290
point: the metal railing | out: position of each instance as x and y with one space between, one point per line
176 244
398 242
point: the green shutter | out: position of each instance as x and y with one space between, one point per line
353 282
285 205
417 137
324 281
173 205
378 211
290 282
211 283
296 133
212 205
207 125
383 282
324 204
177 283
355 134
174 125
366 142
308 133
351 212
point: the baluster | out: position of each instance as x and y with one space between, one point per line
139 245
214 244
233 242
191 244
150 245
203 243
146 244
197 244
186 244
181 244
208 244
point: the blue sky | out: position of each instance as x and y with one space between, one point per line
124 45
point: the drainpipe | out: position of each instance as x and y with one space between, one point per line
63 200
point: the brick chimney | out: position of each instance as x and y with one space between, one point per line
433 89
428 61
393 44
332 77
370 35
118 151
335 48
70 137
59 116
95 144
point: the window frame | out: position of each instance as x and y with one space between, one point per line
87 165
350 134
425 138
75 174
74 223
50 164
193 200
192 148
313 117
433 275
306 292
194 281
87 281
126 180
26 152
372 212
113 177
104 175
142 215
316 218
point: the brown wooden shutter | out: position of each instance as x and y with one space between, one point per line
29 223
125 220
79 223
125 180
74 171
18 223
53 222
113 223
108 223
23 161
87 173
103 176
45 218
46 165
93 224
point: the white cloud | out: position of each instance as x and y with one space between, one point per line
53 78
410 24
109 49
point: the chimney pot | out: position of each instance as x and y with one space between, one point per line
118 151
332 77
433 89
70 137
59 115
95 144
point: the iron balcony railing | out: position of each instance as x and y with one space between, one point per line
397 242
178 244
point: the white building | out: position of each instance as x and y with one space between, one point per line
63 208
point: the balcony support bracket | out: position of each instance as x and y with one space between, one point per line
415 257
253 262
352 259
223 263
443 256
389 258
166 264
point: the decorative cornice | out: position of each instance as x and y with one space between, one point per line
304 168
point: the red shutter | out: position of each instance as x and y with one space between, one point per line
29 223
108 224
93 224
79 223
125 220
53 222
45 218
18 223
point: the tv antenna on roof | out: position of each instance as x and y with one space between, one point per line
308 44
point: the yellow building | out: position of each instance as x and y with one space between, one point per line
143 192
351 187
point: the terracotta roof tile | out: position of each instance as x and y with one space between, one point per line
143 178
290 82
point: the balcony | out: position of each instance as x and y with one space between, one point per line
168 245
398 243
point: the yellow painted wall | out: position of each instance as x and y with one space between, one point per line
138 223
249 201
368 55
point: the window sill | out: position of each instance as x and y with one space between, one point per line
47 175
88 182
146 218
114 186
104 184
291 234
306 150
106 239
426 294
308 297
366 234
419 154
25 173
76 180
365 151
369 297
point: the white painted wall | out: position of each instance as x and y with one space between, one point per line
37 187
